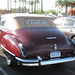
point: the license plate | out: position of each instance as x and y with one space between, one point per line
55 54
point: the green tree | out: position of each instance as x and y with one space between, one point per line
50 11
64 3
34 4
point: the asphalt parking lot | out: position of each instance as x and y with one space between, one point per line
57 69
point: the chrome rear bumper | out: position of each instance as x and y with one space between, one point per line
38 62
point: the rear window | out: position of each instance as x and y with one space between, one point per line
69 22
36 21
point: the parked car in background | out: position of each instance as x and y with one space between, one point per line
53 17
71 16
34 40
67 26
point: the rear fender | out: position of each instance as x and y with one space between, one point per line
10 44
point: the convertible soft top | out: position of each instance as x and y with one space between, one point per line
21 20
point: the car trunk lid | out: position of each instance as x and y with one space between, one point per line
42 40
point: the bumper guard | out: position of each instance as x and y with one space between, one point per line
38 62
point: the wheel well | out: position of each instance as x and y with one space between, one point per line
72 36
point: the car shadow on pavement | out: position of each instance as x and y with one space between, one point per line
2 60
57 69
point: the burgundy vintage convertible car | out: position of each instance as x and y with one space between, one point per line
33 40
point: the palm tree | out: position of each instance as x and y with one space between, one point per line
41 6
32 2
8 5
19 5
37 5
29 4
23 6
15 5
25 1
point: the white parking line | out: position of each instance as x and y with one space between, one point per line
3 71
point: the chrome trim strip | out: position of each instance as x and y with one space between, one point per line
42 63
39 58
7 50
56 61
27 61
55 46
50 38
35 64
21 47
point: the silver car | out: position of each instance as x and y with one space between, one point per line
67 26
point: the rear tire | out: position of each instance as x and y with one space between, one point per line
73 38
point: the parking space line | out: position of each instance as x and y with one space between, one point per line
3 71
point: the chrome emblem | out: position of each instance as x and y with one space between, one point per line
50 37
55 47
